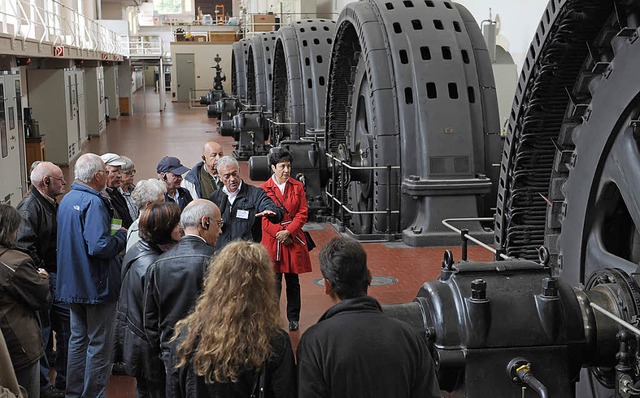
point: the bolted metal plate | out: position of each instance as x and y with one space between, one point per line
376 280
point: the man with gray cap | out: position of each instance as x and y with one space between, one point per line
113 163
170 171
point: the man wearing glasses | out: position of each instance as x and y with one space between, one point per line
241 204
89 276
113 164
174 281
38 237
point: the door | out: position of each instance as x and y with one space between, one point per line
11 187
186 76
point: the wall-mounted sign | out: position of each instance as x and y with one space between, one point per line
58 51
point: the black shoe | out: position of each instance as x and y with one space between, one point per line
51 392
119 369
294 325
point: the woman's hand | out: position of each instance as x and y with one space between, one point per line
284 236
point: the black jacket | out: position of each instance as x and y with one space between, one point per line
355 350
38 230
184 198
174 283
251 200
119 204
138 356
23 291
280 381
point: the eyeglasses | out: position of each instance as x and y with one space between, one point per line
129 173
220 223
114 172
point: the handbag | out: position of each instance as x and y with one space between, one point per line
307 236
310 243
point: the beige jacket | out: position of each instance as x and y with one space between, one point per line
9 387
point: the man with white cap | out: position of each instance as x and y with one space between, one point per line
170 171
113 163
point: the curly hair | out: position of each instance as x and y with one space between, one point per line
235 317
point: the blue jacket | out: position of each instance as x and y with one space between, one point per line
88 263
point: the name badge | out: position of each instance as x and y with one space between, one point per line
244 214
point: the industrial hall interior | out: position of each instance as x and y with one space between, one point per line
332 198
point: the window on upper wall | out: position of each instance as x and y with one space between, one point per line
164 7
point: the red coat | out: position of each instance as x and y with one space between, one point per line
293 258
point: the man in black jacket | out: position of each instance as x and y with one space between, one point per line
355 350
170 171
114 164
175 280
241 205
38 236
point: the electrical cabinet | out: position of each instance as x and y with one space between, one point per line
58 106
112 90
94 99
12 141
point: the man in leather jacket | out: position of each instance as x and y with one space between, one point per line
38 237
174 282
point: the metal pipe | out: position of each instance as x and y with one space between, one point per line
615 318
446 222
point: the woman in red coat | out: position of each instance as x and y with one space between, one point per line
285 241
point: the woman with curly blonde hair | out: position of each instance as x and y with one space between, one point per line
232 344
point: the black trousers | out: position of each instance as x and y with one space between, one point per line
293 294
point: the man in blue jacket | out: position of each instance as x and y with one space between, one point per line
89 276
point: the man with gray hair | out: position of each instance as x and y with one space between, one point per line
174 282
89 276
146 192
241 204
38 236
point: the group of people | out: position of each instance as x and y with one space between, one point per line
180 279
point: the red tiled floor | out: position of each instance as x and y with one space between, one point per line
182 132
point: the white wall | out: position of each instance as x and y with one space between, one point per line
203 60
518 21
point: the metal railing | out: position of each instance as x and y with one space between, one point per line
145 46
346 169
464 234
51 22
194 98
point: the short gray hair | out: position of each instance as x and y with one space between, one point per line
192 214
39 171
227 161
128 164
87 166
147 191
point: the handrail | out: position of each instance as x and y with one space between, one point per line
446 223
51 22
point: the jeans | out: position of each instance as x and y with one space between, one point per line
90 347
293 294
55 317
29 379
